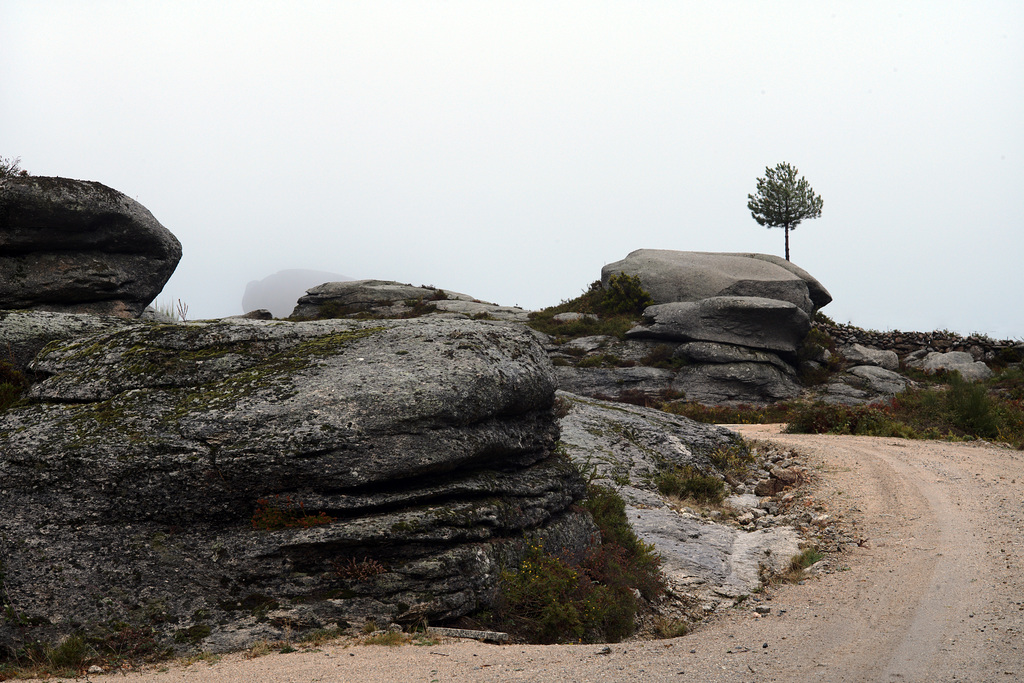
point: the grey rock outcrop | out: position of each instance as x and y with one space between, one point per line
725 383
614 383
278 292
759 323
862 384
671 276
23 334
958 361
863 355
388 299
625 446
134 480
74 246
715 352
880 380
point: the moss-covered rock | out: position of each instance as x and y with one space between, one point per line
421 449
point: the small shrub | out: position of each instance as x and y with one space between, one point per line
10 168
600 360
277 514
971 409
625 295
806 558
548 600
687 483
671 628
661 356
358 570
192 635
827 418
616 313
742 414
388 638
13 385
734 458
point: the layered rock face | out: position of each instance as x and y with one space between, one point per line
80 247
727 325
222 482
626 446
388 299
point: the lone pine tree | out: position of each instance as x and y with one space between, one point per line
782 200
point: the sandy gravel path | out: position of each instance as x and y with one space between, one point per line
935 593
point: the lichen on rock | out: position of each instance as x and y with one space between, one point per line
131 476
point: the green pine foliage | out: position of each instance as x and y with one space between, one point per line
783 200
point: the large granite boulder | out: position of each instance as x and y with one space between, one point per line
671 276
75 246
956 361
389 299
220 483
277 293
858 354
753 322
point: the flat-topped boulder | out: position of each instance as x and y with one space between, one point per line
224 481
389 299
76 246
672 276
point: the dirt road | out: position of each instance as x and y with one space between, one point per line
935 593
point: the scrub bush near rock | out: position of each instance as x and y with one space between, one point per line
13 385
613 311
549 599
687 483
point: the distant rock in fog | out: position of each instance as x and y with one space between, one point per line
278 292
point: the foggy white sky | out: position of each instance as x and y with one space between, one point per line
509 150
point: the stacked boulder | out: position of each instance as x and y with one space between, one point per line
733 322
74 246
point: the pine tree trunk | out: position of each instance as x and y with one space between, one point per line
787 242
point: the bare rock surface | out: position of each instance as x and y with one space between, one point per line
625 447
880 380
223 482
863 355
958 361
76 246
24 333
389 299
671 276
745 382
613 382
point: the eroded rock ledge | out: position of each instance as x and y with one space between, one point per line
131 481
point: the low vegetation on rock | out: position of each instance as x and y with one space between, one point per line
613 311
948 407
550 599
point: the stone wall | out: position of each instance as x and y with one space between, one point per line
903 343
